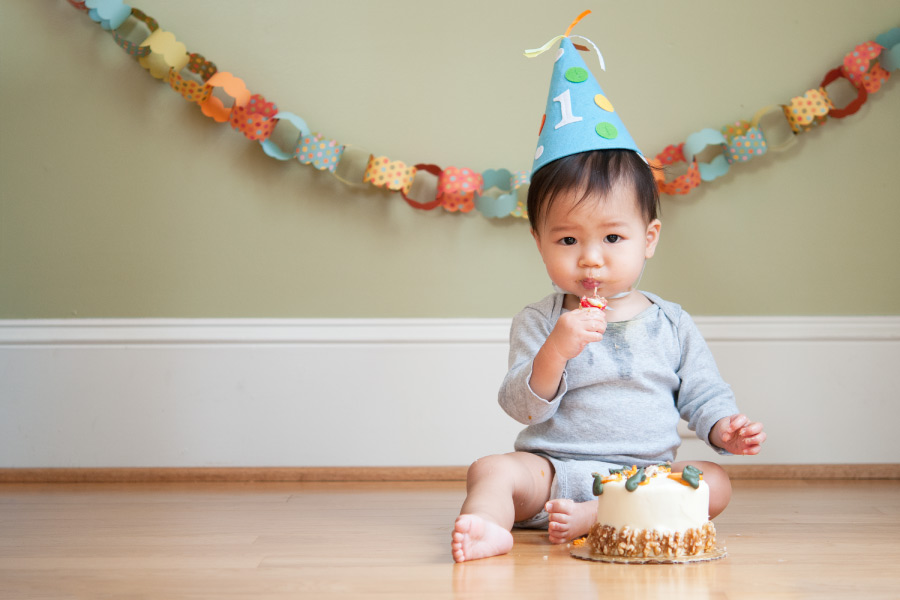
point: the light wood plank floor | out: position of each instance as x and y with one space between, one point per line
785 539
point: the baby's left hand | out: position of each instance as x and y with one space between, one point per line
738 435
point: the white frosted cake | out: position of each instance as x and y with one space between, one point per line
652 513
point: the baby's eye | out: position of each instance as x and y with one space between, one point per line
567 241
613 238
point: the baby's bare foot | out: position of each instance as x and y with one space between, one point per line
475 537
570 520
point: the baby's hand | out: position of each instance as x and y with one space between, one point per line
576 329
738 435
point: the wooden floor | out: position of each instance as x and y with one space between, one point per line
785 539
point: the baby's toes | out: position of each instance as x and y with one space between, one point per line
560 510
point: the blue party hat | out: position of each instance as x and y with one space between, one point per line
579 117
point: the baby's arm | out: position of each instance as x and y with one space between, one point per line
738 435
573 331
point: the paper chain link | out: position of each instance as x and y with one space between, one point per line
493 193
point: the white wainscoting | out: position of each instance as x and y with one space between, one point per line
392 392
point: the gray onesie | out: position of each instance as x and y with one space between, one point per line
619 400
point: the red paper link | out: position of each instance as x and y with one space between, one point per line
840 113
434 170
79 4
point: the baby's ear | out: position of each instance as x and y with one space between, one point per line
653 230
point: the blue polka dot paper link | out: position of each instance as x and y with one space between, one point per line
319 152
742 148
109 13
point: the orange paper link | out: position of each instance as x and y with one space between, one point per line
872 80
232 86
165 54
684 183
385 173
806 111
254 119
457 188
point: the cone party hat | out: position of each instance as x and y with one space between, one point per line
579 116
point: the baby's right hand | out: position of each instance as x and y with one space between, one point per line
575 330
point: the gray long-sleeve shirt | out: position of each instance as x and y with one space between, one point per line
620 399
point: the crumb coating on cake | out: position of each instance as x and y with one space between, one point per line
629 542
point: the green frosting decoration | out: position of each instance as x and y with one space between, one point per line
692 474
635 480
598 483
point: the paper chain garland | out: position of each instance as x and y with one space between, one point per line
494 193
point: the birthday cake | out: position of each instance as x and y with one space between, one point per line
652 513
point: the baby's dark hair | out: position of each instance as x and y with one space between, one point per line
593 172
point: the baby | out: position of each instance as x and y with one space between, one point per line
597 388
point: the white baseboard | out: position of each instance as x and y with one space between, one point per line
391 392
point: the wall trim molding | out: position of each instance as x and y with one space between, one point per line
362 474
179 393
64 332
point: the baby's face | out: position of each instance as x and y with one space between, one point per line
596 246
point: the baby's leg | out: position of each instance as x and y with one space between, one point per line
569 519
717 480
500 490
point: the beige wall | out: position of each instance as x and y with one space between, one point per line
119 199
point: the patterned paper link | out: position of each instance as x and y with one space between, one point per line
274 150
457 188
497 205
231 85
809 110
322 153
791 138
165 54
198 64
874 78
191 90
683 183
109 13
856 67
254 119
744 142
861 96
131 48
520 179
393 175
695 144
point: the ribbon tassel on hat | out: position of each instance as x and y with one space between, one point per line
538 51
